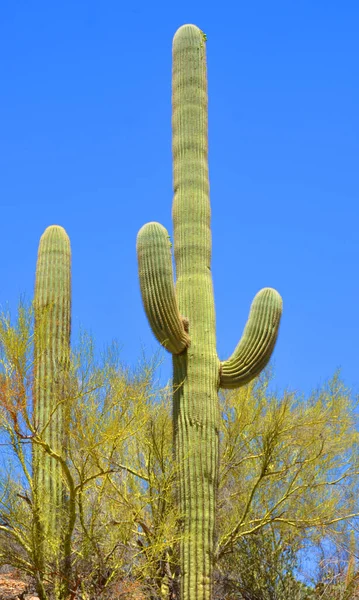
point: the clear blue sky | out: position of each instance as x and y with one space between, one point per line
85 142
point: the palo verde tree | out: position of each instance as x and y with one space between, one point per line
288 482
183 318
95 548
288 465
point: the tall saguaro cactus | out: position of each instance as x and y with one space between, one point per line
183 318
51 363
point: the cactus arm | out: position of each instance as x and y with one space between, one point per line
257 343
157 288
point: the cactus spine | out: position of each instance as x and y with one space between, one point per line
183 318
51 363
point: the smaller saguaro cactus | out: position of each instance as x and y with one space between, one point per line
52 305
183 317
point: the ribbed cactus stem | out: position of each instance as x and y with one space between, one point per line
196 374
197 371
51 363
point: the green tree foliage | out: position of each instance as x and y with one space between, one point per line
286 460
336 576
262 567
288 476
108 410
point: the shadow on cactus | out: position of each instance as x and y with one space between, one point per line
182 317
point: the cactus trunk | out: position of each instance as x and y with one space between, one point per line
51 364
195 373
183 319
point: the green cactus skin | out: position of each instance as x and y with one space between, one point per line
158 290
52 305
197 371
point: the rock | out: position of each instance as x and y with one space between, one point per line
12 587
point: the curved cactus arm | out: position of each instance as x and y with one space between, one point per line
157 288
257 343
